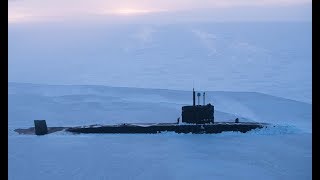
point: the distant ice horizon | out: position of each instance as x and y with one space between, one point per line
267 57
150 88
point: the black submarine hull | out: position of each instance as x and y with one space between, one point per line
150 128
169 127
196 119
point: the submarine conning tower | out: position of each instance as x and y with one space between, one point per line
198 114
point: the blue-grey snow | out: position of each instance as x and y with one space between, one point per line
73 76
282 152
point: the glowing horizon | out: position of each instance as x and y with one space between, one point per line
32 10
129 11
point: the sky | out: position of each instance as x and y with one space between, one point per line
167 11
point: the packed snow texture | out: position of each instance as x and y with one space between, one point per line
160 156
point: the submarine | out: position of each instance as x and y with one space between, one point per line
196 119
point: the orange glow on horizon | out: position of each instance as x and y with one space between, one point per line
130 11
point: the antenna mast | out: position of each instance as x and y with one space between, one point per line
204 98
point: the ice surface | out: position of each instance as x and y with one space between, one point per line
255 71
86 105
280 152
163 156
267 57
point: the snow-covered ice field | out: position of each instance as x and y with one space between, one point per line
163 156
142 73
267 57
282 152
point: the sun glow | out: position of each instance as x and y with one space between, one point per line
131 11
52 10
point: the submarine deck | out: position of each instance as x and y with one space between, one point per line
153 128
